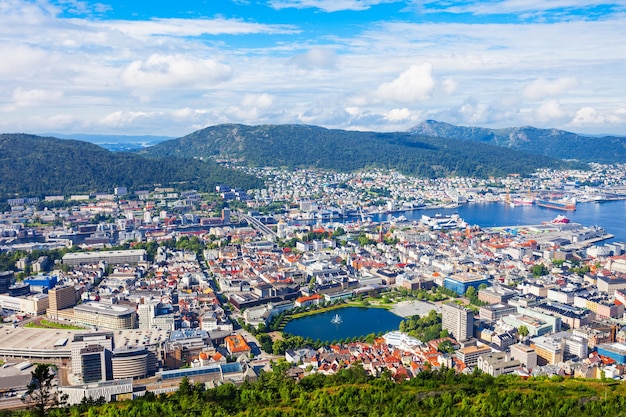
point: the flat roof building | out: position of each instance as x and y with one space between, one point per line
132 256
106 316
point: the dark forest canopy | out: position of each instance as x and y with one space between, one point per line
295 146
34 166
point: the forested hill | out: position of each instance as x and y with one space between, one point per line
311 146
353 393
547 142
34 166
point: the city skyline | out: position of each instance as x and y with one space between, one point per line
169 69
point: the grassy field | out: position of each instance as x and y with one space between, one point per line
46 324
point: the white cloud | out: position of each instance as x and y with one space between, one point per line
191 27
450 86
523 7
328 5
413 85
315 58
543 88
167 71
397 115
124 118
591 116
24 60
35 97
550 112
257 101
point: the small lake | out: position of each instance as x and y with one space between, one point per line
355 321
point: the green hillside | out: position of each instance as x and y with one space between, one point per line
35 166
546 142
294 146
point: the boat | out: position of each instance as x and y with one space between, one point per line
336 320
523 201
560 219
563 204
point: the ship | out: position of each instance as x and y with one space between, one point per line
523 201
564 204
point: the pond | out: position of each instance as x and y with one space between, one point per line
353 321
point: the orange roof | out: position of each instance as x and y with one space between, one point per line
236 344
309 298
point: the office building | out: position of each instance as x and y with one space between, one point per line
79 346
6 279
458 321
94 363
524 354
133 363
106 316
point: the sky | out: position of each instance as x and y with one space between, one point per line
134 67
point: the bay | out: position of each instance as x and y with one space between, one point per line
356 321
610 215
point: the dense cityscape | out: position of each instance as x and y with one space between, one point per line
128 293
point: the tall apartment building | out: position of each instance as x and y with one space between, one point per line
60 298
458 321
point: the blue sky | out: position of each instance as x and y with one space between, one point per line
172 67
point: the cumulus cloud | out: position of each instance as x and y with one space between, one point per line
23 60
168 71
413 85
591 116
315 58
34 97
397 115
253 107
124 118
543 88
328 5
450 86
550 111
257 101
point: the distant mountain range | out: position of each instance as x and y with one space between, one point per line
547 142
115 143
294 146
33 166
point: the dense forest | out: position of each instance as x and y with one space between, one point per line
34 166
547 142
295 146
352 392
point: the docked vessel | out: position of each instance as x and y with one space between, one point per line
523 201
560 219
565 204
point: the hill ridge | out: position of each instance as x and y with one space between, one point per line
551 142
296 145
